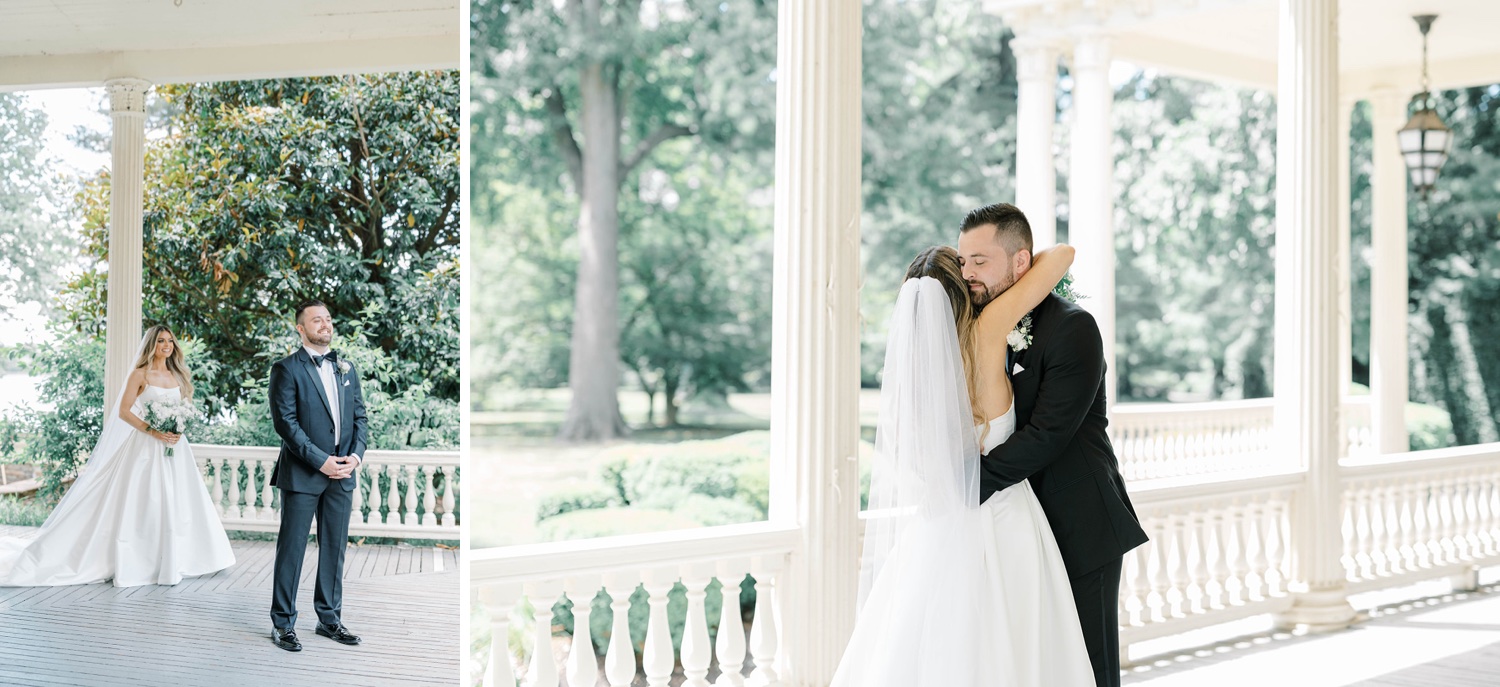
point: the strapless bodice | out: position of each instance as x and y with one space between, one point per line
998 429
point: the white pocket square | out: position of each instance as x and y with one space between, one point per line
1018 370
346 382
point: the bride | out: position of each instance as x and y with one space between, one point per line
954 593
135 515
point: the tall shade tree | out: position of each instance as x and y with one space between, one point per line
32 238
611 82
267 193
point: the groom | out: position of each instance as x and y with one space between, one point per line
319 413
1060 443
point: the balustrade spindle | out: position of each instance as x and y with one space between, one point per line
543 669
1363 515
619 658
1136 587
393 495
1408 528
429 496
235 511
1198 571
267 495
449 486
1348 528
1234 551
357 510
408 501
583 667
498 601
1485 514
697 653
763 632
657 657
1213 522
1258 588
1276 547
1395 532
1177 577
729 646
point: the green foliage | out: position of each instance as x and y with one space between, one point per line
1429 427
25 512
609 522
60 440
270 192
33 238
583 498
662 474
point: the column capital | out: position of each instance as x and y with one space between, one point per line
1036 57
127 95
1091 49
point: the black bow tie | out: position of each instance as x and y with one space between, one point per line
331 356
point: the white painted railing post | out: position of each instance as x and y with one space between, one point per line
542 672
656 657
583 665
498 601
619 658
697 654
729 646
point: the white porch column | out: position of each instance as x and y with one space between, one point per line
1307 398
1388 275
815 335
127 111
1091 190
1345 275
1036 113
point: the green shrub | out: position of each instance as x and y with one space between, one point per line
582 498
59 440
25 512
1429 427
712 511
609 522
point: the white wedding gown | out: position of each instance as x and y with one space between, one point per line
145 519
1020 630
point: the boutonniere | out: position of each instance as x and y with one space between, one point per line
343 367
1020 337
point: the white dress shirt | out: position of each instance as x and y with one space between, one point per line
328 372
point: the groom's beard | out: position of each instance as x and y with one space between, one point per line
986 293
320 338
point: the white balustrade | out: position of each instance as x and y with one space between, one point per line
743 558
1182 440
239 483
1215 555
1421 515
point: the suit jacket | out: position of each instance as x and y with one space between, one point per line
1061 444
302 417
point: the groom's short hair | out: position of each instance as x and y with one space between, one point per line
304 305
1011 228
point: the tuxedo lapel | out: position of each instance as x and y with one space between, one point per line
316 379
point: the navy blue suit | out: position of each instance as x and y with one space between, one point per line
303 418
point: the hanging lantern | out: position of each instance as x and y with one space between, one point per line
1424 140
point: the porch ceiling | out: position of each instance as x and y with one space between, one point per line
65 43
1236 40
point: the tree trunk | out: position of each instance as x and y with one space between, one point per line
1470 385
669 397
594 367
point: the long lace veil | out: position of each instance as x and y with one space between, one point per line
113 435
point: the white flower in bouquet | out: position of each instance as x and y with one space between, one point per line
174 416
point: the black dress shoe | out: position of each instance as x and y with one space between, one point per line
338 633
286 639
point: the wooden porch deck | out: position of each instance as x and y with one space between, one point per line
402 601
1451 640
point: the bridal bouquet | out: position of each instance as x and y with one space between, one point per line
174 416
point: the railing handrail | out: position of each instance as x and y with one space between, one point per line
1163 491
371 457
1418 462
536 562
1167 408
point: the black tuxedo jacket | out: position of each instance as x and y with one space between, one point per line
1060 443
302 417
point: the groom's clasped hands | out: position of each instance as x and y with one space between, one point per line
339 467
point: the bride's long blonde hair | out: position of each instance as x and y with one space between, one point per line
942 263
175 363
